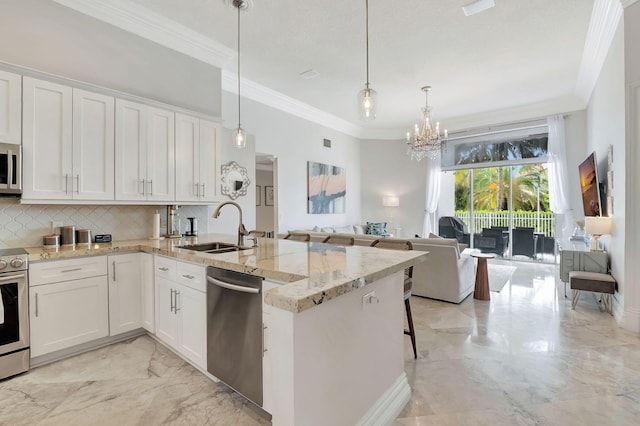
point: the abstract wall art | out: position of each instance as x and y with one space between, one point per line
327 188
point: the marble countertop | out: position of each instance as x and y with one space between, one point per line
311 273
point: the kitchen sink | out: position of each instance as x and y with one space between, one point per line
216 247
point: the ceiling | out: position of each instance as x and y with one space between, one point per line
517 54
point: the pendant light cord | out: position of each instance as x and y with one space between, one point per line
367 27
239 4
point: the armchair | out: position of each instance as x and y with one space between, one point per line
492 240
523 242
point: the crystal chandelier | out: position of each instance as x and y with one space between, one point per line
427 140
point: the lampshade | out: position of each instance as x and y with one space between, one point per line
597 225
390 201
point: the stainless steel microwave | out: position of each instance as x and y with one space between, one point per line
10 169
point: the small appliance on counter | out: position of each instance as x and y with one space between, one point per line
173 222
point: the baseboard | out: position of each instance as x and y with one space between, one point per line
627 319
389 405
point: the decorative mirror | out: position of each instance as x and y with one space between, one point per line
234 180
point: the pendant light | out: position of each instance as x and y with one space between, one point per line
239 137
367 96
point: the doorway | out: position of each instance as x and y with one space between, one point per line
267 194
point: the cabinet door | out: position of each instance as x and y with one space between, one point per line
160 155
93 145
147 303
125 293
131 151
208 159
47 140
187 162
166 315
10 108
68 313
192 333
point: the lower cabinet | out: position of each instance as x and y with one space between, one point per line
125 292
181 308
68 313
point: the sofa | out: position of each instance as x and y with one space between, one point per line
448 274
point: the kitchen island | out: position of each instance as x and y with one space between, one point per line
333 320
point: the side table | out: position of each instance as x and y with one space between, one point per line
481 290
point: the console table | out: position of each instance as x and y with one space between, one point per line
582 260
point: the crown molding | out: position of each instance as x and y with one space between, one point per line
141 21
264 95
605 18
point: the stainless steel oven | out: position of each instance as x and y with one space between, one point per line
10 169
14 313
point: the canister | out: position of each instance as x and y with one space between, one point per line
83 236
51 241
68 235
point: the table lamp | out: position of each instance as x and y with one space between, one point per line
597 226
390 201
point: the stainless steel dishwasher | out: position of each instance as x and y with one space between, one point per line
234 331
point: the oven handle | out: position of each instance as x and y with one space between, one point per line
13 277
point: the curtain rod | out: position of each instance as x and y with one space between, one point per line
541 122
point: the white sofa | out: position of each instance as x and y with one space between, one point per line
447 274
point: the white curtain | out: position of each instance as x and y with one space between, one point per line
557 173
432 196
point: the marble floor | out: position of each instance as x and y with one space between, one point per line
524 358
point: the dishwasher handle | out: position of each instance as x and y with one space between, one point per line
233 286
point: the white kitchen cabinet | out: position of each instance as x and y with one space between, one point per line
68 143
181 308
10 108
148 293
196 159
145 158
93 144
69 303
125 292
47 140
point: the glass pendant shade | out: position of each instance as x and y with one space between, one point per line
368 103
239 138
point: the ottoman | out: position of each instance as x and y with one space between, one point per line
592 281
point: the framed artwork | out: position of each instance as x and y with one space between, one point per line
258 195
268 195
327 188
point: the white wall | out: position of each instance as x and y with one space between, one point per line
388 170
295 141
45 36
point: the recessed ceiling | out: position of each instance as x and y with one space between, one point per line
515 54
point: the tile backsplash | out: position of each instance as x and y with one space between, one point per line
23 225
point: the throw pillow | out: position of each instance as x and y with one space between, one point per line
316 228
344 229
432 235
327 229
358 229
377 228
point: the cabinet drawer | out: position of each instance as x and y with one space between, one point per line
193 276
165 267
66 270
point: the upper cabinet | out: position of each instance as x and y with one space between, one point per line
145 146
196 159
10 107
67 143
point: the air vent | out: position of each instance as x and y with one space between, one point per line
327 143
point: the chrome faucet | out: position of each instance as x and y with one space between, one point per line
242 231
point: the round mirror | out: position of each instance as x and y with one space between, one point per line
234 180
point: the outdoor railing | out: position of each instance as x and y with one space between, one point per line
543 222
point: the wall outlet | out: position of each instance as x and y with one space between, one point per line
55 224
369 299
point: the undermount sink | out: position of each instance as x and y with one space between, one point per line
216 247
